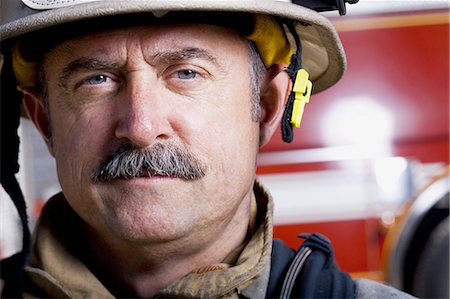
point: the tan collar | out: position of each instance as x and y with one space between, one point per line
249 274
54 266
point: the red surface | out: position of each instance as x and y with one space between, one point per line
405 70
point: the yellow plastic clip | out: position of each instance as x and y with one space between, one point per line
302 88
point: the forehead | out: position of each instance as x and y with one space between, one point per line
154 35
153 40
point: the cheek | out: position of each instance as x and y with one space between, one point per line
77 145
236 120
229 134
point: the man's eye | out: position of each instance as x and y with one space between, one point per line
98 79
186 74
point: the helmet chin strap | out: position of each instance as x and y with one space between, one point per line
300 93
12 268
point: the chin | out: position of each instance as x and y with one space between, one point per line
148 229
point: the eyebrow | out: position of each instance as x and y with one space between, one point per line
185 54
85 64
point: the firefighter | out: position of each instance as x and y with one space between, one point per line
154 112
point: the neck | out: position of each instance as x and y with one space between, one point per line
145 269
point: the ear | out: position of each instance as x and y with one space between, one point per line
33 102
274 94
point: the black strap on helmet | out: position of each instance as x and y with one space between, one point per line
287 132
12 267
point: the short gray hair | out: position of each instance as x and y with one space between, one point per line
257 72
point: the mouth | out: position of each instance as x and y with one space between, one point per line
144 181
142 175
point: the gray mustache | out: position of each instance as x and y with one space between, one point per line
160 160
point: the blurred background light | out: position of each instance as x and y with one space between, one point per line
393 178
357 121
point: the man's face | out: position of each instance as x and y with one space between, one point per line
183 87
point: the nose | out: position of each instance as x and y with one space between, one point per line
142 112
